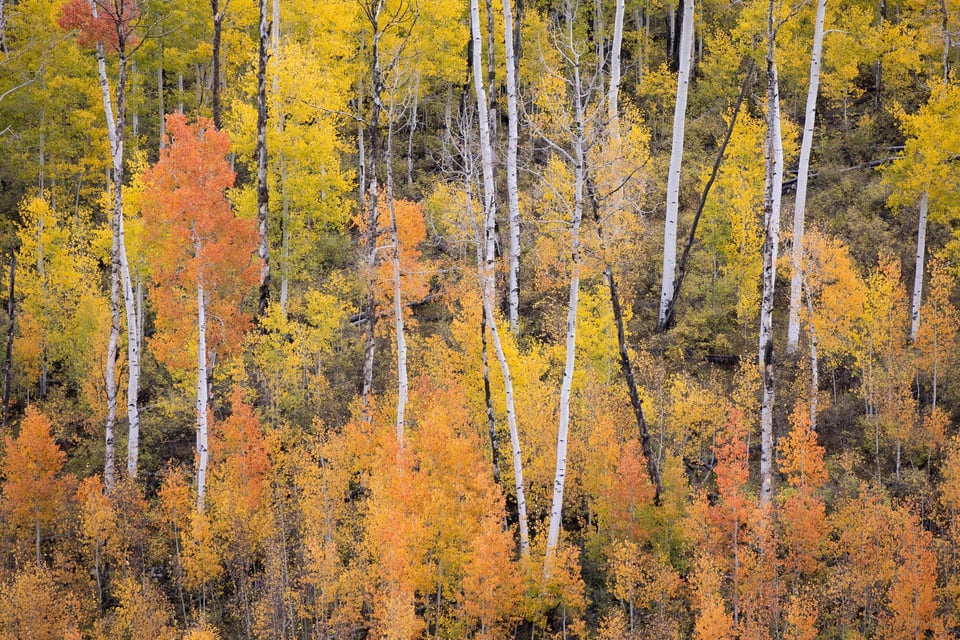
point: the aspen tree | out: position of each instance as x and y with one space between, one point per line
485 258
803 175
114 27
771 241
676 157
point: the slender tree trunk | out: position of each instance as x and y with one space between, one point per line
774 187
488 399
263 192
402 384
8 357
803 171
627 367
511 421
613 94
160 107
491 75
486 154
919 268
119 262
513 199
372 233
685 255
412 130
215 63
676 156
484 246
109 474
566 386
947 40
202 401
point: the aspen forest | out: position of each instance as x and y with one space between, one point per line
507 319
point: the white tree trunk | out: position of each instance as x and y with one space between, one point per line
676 156
559 479
402 384
202 452
918 272
486 152
119 262
613 94
487 298
513 200
263 192
803 170
774 187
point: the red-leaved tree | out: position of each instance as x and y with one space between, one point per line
202 256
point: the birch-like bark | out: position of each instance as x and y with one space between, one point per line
282 161
566 385
919 268
516 452
202 452
402 384
513 199
263 192
370 175
676 157
803 172
613 94
488 398
486 153
120 267
484 245
771 242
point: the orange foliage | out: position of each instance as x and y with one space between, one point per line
912 594
196 240
240 454
114 19
411 233
33 606
34 492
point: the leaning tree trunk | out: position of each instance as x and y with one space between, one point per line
673 175
774 186
513 202
263 193
490 320
803 173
